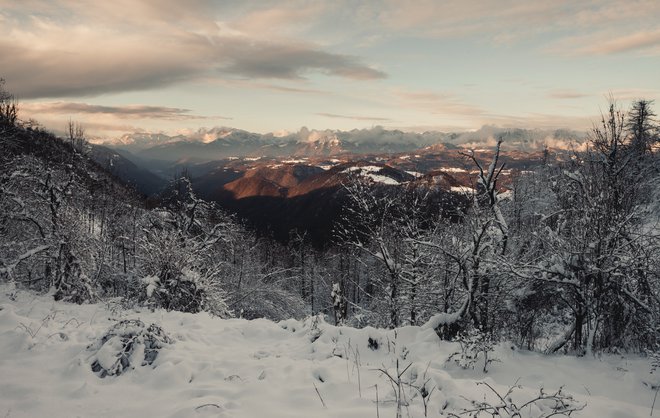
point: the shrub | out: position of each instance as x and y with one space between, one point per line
126 344
474 345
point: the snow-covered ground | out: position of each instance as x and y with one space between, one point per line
463 189
240 368
371 171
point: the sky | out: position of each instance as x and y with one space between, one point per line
176 66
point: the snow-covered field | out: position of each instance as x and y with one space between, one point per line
240 368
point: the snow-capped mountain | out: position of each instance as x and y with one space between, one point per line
222 142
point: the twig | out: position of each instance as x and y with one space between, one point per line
357 365
320 397
78 323
207 404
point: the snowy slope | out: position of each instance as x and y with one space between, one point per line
239 368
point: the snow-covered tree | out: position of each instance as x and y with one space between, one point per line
596 246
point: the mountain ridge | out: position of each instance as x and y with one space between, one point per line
222 142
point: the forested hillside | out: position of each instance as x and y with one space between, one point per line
70 228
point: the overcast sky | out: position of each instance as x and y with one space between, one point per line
173 65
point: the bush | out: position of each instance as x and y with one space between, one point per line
127 344
187 291
543 405
474 345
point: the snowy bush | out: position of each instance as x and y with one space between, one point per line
185 291
313 324
543 405
475 345
127 344
655 361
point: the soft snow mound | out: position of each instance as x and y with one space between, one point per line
240 368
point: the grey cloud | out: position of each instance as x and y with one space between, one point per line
55 73
53 56
128 111
259 59
51 73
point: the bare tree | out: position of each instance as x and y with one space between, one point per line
76 136
8 107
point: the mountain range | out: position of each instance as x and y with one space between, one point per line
219 143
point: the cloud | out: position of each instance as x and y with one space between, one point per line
630 94
555 24
462 17
540 121
263 59
127 112
77 49
567 94
633 42
522 139
437 103
353 117
456 110
295 87
290 18
287 89
41 68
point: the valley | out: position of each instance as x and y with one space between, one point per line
304 193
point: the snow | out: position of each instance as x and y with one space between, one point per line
505 195
442 319
415 174
370 171
364 169
382 179
453 170
239 368
152 283
463 189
